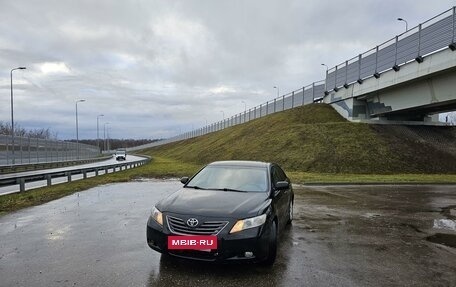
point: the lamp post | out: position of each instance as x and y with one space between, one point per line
12 112
107 138
327 68
77 128
406 23
278 92
104 135
98 134
245 111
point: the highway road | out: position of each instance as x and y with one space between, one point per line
36 184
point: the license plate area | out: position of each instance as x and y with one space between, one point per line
205 243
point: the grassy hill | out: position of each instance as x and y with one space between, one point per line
313 143
317 139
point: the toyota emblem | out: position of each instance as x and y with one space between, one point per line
192 222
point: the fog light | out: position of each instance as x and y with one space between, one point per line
248 254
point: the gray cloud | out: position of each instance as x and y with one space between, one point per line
155 68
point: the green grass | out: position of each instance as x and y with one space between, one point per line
313 143
340 178
313 139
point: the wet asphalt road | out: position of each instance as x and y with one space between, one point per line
341 236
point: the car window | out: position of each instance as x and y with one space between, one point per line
277 175
250 179
280 173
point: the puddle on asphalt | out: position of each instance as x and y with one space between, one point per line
446 224
371 215
447 239
444 239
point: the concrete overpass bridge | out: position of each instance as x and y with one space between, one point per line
411 77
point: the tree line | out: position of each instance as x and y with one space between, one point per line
46 133
43 133
117 143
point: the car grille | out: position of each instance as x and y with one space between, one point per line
178 226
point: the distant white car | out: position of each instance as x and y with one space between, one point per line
121 154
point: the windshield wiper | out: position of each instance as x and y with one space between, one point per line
229 189
195 187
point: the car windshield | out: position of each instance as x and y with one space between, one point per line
231 178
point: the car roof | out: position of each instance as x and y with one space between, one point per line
240 163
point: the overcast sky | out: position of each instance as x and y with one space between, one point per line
157 68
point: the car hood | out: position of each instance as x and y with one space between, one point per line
214 203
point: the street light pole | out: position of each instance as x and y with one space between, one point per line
278 93
327 68
77 128
104 136
245 111
406 23
12 113
98 135
107 137
245 106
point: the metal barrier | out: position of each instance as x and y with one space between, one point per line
306 95
33 150
435 34
429 37
24 177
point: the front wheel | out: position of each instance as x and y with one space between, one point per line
290 212
272 247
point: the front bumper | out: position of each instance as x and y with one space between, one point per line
247 245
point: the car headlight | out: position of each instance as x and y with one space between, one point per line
157 216
247 223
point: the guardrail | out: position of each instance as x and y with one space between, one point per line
306 95
33 150
429 37
46 165
22 178
436 34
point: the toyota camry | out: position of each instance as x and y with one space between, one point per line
229 210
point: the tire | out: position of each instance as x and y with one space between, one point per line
272 248
290 212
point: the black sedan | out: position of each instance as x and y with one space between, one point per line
229 210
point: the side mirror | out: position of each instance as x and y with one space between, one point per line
281 185
184 180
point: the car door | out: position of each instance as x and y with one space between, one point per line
281 197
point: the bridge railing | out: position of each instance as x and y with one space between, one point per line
427 38
28 150
300 97
303 96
